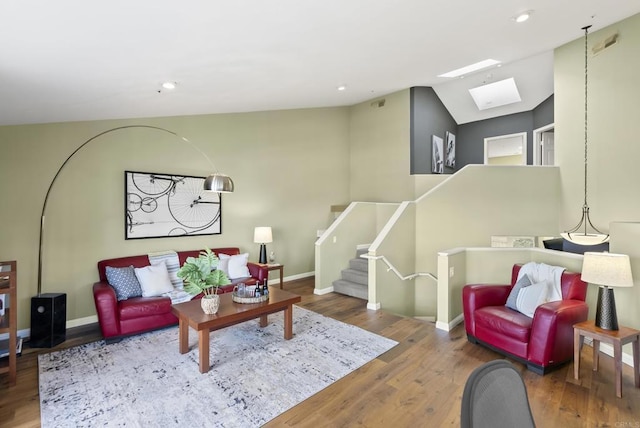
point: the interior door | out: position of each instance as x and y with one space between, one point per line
547 147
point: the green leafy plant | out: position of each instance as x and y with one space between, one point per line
200 274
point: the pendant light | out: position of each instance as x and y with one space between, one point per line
580 234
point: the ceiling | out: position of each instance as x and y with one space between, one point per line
74 60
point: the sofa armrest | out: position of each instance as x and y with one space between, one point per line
258 271
106 303
476 296
552 331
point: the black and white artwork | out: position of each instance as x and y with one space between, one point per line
450 155
437 154
163 205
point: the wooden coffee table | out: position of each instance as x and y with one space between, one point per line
230 313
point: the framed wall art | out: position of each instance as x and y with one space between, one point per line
164 205
437 153
450 154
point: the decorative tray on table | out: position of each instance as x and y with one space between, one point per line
238 299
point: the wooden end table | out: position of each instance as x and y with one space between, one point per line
275 266
617 338
190 314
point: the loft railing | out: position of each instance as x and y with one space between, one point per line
391 267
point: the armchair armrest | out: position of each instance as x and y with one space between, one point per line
106 303
258 271
476 296
552 331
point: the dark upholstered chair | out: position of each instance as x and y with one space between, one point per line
495 396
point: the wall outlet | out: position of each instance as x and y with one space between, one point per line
452 271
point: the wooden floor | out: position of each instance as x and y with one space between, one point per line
417 383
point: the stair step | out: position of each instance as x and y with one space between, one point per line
357 276
359 264
351 289
361 251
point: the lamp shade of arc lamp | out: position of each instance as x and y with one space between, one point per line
607 270
262 235
44 302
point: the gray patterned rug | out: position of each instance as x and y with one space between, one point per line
256 375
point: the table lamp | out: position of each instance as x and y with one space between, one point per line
607 270
262 236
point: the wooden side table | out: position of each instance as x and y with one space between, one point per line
617 338
276 266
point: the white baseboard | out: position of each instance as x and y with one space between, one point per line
373 306
82 321
322 291
292 277
426 319
441 325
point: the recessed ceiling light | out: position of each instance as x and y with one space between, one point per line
169 85
342 88
470 68
523 16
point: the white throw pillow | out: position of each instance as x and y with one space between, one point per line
223 265
154 280
237 265
529 298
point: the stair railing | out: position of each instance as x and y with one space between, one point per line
391 267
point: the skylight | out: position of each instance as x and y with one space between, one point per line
496 94
470 68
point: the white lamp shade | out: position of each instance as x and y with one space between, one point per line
612 270
585 238
262 235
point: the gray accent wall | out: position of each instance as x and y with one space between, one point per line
543 114
428 117
470 139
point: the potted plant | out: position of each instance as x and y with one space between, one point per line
201 276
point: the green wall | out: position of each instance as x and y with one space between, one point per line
613 149
379 150
289 167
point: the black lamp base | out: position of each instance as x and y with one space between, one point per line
263 253
606 317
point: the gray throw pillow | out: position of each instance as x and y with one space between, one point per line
124 282
513 296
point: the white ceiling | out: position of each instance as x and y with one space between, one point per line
70 60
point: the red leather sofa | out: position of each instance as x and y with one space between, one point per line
542 343
135 315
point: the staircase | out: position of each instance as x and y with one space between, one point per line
355 278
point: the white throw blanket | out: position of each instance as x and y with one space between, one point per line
170 258
538 272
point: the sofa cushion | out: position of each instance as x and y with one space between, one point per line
154 280
234 266
531 297
124 282
138 307
513 295
505 321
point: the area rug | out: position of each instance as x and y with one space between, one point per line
256 375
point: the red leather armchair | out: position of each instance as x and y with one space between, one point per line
542 343
139 314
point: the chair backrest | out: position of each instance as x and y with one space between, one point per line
573 288
495 396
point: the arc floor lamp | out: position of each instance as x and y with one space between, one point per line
48 310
